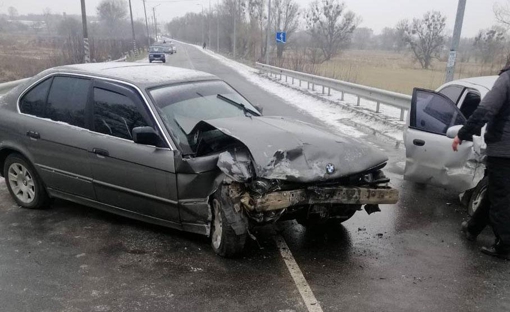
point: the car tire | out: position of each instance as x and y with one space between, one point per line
224 240
150 61
23 183
478 194
164 61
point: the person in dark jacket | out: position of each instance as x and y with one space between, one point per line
494 111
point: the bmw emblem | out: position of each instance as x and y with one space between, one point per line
330 169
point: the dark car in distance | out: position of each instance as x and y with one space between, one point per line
157 53
178 148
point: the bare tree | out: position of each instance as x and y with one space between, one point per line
502 12
489 43
13 12
362 38
330 26
111 13
285 18
425 37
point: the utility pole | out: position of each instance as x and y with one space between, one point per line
147 25
450 67
235 23
155 24
209 20
268 31
86 49
217 31
132 26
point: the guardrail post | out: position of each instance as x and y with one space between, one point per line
343 95
308 86
300 83
280 76
359 101
286 78
378 107
313 86
402 113
329 91
292 80
322 89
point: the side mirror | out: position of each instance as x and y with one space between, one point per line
259 108
453 131
146 136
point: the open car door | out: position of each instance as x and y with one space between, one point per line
429 155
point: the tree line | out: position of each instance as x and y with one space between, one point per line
325 28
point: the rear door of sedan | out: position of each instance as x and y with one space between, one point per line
56 133
137 178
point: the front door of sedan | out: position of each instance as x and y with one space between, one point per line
429 155
128 176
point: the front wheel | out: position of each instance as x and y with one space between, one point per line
24 184
478 195
224 240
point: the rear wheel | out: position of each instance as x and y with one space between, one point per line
478 195
24 184
224 240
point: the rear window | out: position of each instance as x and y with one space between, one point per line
34 101
453 92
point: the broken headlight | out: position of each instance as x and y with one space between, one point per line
263 186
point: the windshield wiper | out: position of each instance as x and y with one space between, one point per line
239 105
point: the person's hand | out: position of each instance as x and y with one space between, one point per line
456 143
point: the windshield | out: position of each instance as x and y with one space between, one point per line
182 106
156 49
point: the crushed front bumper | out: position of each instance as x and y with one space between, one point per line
320 195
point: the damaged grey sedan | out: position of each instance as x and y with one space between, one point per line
181 149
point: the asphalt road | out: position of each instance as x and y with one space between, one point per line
409 257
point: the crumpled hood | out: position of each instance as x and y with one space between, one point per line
295 151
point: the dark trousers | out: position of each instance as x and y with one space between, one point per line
495 207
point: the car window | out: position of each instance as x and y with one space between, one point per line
434 113
116 114
33 102
67 100
453 92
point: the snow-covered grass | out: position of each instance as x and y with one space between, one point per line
330 109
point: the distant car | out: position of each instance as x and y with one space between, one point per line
168 49
157 53
434 120
174 48
178 148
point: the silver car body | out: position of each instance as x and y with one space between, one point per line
429 156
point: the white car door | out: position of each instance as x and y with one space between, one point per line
429 155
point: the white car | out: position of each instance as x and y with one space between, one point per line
433 121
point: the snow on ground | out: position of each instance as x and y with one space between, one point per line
327 110
317 108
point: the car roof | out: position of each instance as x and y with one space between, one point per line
143 75
485 81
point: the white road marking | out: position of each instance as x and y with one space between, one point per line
189 58
302 285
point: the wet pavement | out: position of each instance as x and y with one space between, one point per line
409 257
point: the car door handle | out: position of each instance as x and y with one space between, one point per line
418 142
33 135
100 152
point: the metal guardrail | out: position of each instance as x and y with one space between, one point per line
397 100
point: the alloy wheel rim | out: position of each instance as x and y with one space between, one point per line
217 225
21 183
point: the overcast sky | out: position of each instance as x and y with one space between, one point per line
376 14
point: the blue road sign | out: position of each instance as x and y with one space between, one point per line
281 37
